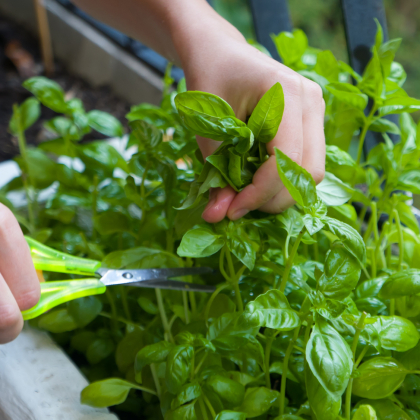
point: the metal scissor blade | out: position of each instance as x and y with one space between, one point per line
157 275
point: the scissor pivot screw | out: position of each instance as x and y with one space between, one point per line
127 275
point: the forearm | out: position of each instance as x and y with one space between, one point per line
174 28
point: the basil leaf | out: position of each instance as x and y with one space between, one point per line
365 412
152 353
296 179
230 415
341 273
266 117
379 377
258 401
229 391
330 358
382 125
200 242
332 191
184 412
48 92
178 366
273 311
350 238
323 405
240 244
386 409
348 94
399 104
291 46
189 392
28 113
391 333
106 393
327 65
105 123
403 283
291 221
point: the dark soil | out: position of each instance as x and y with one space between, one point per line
12 92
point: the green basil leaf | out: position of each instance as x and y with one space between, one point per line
379 377
296 179
348 94
382 125
330 358
230 415
240 244
147 305
341 273
57 321
370 287
291 221
200 242
229 391
258 401
152 353
332 191
178 366
386 409
350 238
410 181
327 65
146 135
84 310
399 104
105 123
28 113
391 333
99 350
273 311
291 46
365 412
188 393
48 92
184 412
313 224
323 405
266 117
403 283
106 393
111 221
372 82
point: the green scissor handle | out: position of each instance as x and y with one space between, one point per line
53 293
49 259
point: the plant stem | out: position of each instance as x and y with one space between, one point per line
113 309
373 261
364 131
163 317
142 388
359 328
120 319
316 248
203 408
361 356
94 204
185 302
400 239
268 345
286 248
197 369
123 290
285 369
210 301
234 278
289 262
209 406
155 379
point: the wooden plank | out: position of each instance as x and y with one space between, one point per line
270 17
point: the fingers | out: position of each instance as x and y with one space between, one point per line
217 207
19 285
266 182
313 159
11 321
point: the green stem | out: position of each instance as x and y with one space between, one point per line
142 388
197 369
285 369
209 406
120 319
316 248
234 278
361 356
359 328
163 317
113 308
123 291
373 261
210 301
155 379
286 248
238 297
268 345
95 203
203 408
185 302
364 131
400 239
289 262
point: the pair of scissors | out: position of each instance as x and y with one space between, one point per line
54 293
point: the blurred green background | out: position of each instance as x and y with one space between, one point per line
322 20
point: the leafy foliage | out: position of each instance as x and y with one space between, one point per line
314 308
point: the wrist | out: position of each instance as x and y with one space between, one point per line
195 28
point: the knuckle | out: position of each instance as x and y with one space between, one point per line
296 156
313 90
294 83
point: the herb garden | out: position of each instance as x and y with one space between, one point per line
316 310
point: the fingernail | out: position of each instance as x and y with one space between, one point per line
210 204
239 213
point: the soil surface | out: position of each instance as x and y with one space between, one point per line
19 58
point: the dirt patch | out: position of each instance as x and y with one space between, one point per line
11 90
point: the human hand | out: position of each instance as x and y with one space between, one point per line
217 59
19 285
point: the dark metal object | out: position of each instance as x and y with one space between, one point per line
360 30
270 17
